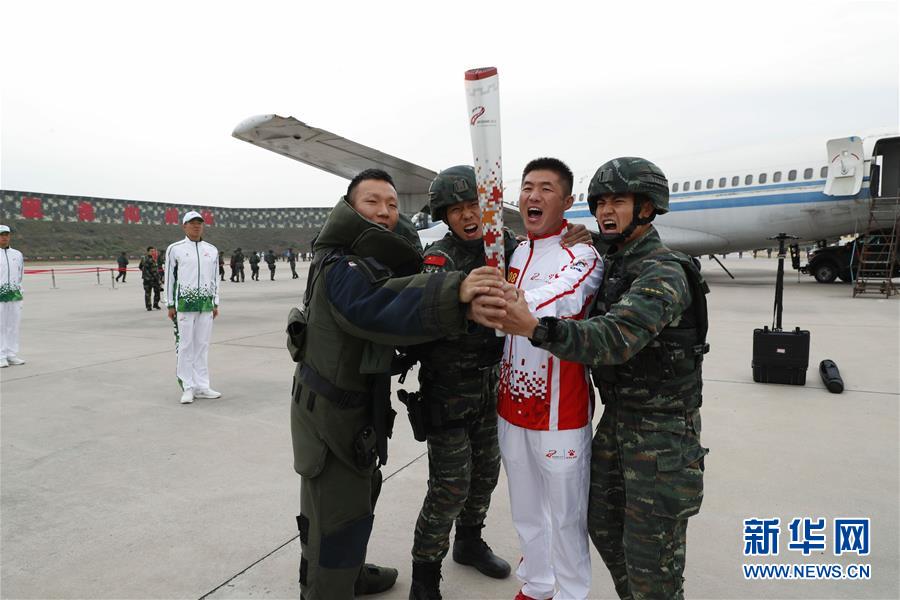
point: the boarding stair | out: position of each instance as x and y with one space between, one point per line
878 261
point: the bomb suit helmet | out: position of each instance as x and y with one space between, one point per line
451 186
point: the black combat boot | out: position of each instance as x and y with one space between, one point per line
470 549
373 579
426 581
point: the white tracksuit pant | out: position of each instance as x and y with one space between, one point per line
549 480
193 331
10 315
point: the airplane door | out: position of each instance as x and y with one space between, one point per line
845 166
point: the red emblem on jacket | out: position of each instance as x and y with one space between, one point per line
436 260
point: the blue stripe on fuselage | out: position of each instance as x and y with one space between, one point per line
742 201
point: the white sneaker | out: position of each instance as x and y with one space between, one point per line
3 363
15 360
207 393
187 396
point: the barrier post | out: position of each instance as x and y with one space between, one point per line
98 276
112 278
53 278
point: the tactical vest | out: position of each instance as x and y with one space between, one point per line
665 375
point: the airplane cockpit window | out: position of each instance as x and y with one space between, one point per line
421 220
807 173
721 182
776 176
687 185
698 184
748 180
763 177
674 187
824 171
792 175
735 180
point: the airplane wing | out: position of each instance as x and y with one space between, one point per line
339 156
336 155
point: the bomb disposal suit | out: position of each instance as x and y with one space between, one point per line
645 341
363 298
192 270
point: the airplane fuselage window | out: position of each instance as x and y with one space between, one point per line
823 172
748 180
792 175
735 180
581 197
763 177
687 185
709 184
807 173
776 176
698 184
722 182
674 187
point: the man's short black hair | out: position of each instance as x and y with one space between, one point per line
557 166
368 174
149 248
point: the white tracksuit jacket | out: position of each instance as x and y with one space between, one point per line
538 390
192 276
12 268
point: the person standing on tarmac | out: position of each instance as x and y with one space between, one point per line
645 340
150 277
363 297
254 266
192 297
239 265
270 260
221 267
458 381
12 269
292 261
122 261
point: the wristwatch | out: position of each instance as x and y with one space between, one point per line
543 331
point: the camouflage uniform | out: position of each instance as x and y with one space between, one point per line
458 378
150 277
645 342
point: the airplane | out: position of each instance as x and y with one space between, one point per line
729 210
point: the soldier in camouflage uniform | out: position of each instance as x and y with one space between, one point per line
458 381
150 276
645 342
364 296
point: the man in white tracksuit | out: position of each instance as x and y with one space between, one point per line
12 267
192 296
545 404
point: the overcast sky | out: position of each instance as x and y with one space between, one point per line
138 100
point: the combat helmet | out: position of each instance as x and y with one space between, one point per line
453 185
630 175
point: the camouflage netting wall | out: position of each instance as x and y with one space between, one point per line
54 226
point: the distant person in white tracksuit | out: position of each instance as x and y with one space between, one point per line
192 296
545 404
12 267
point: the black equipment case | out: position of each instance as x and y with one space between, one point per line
780 356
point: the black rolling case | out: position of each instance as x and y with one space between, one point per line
780 356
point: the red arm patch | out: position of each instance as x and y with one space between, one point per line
435 259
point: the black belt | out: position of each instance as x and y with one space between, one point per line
326 389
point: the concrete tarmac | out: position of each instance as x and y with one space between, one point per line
112 489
